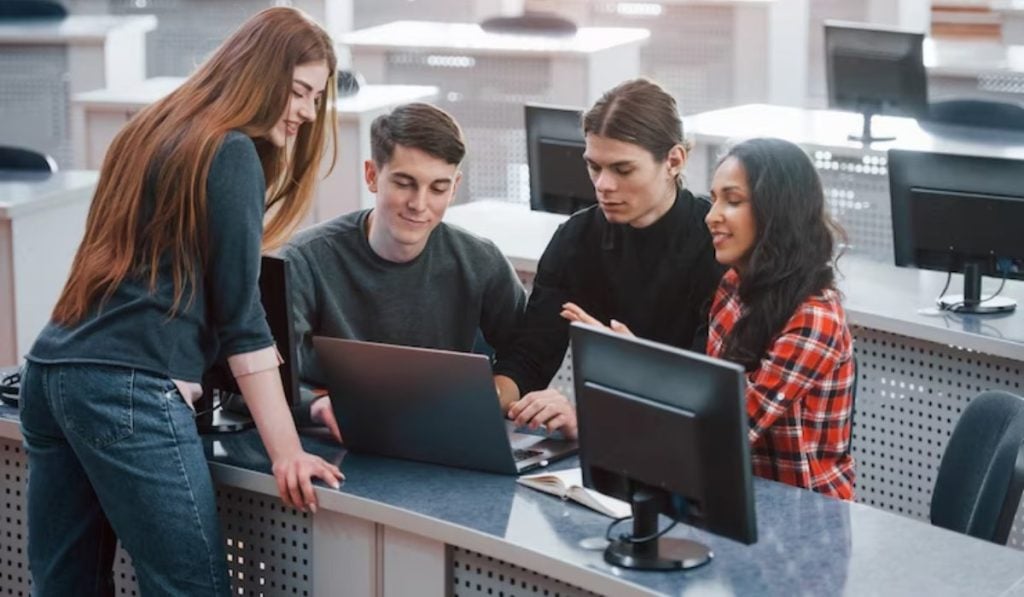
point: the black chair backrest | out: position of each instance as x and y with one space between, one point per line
32 9
978 113
981 477
17 158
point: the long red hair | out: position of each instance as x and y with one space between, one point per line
164 153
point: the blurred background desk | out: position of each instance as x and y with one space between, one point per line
486 78
855 176
103 112
42 220
43 63
987 69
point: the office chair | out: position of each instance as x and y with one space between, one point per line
19 158
977 113
32 9
981 477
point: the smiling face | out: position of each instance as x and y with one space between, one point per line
632 187
308 83
413 191
731 218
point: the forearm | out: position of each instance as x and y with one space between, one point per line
264 395
508 391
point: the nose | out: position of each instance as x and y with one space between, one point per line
714 214
307 109
417 201
604 182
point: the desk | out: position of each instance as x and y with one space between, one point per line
916 371
974 68
42 220
855 178
403 528
42 63
103 112
486 78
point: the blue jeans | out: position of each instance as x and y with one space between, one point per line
113 453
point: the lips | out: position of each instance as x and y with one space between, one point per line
291 127
719 238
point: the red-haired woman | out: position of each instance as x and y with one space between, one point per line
166 281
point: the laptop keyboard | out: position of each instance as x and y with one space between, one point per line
523 454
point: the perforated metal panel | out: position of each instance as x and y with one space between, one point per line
34 100
269 545
857 194
1010 83
188 30
690 51
477 575
14 576
910 395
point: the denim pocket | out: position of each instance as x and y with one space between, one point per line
97 402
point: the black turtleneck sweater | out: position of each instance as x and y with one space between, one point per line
657 280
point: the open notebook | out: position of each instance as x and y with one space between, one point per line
568 484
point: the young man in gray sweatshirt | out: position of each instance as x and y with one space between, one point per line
396 273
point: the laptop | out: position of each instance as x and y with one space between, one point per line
430 405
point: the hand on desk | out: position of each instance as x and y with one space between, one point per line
574 312
320 411
545 407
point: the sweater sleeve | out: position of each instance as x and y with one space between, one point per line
504 306
544 336
235 201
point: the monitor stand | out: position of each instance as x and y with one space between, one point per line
663 553
220 420
970 301
865 136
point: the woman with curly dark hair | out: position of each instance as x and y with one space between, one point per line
777 312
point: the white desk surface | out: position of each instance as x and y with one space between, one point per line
970 57
369 98
829 128
521 234
75 29
469 37
23 192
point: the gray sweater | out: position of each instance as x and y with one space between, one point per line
459 284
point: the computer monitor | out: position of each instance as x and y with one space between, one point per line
959 213
275 295
875 70
559 181
666 430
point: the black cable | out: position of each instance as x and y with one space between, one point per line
956 306
635 540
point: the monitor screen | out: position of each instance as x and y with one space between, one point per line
559 181
948 209
875 70
276 299
959 213
661 419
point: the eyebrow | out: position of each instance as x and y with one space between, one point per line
307 86
411 178
620 163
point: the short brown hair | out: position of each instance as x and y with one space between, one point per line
641 112
421 126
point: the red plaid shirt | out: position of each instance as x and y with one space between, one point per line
799 400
